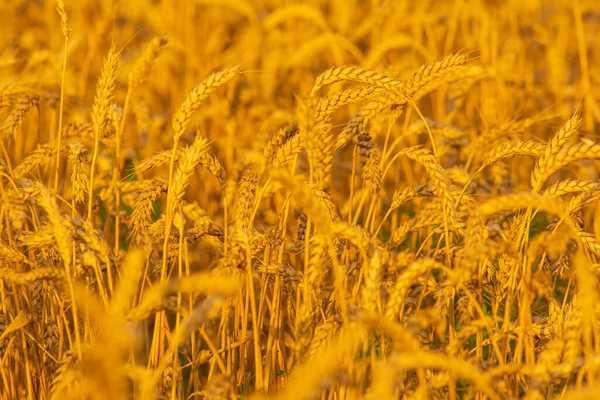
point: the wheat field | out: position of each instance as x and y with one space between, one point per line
281 199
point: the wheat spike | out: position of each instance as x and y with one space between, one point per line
355 74
197 96
555 145
142 67
564 157
514 148
181 179
245 203
9 127
102 108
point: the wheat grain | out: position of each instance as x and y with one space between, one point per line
274 281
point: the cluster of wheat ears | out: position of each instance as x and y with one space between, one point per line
196 204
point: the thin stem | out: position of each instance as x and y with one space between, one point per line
352 178
387 214
158 338
60 115
257 352
118 169
433 147
92 172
